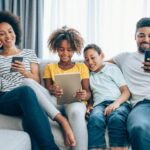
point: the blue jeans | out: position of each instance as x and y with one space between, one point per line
22 101
115 123
138 126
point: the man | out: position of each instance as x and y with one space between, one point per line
137 75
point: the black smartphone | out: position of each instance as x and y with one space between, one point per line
13 61
147 55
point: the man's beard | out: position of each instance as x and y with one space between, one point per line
142 49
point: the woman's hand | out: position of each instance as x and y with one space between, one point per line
56 90
19 67
81 95
111 108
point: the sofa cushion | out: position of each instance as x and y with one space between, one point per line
15 123
14 140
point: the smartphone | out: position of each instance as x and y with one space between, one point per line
13 61
147 55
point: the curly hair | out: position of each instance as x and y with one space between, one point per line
14 21
71 35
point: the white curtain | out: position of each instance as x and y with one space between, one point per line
108 23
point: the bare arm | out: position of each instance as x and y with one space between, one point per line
48 84
34 73
125 94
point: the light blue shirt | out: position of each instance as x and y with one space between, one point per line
105 84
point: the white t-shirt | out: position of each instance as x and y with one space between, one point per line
105 84
137 79
10 80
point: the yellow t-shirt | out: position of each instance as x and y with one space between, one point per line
52 69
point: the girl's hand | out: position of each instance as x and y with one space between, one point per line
111 108
81 94
56 90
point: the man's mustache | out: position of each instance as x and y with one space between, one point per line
145 43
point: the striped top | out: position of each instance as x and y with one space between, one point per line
10 80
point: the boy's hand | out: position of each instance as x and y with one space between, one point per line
111 108
88 111
81 94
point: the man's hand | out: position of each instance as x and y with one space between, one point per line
146 66
1 44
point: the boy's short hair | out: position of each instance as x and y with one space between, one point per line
93 46
143 22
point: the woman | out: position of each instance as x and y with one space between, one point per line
17 100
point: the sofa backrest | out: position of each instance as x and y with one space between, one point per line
42 64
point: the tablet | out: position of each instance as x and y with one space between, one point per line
70 83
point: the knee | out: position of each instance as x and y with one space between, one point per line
138 128
116 119
27 81
26 93
96 121
76 110
76 113
25 90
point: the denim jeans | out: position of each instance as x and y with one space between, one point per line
22 101
138 126
115 123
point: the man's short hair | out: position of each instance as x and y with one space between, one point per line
143 22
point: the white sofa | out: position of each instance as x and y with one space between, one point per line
14 140
12 136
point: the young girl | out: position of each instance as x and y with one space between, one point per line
110 95
66 42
